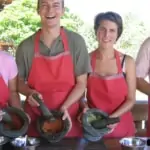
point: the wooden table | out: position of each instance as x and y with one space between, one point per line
112 144
109 144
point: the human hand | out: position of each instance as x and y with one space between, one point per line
66 116
81 114
31 100
112 126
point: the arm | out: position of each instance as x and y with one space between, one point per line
82 68
27 91
143 86
77 91
131 83
22 76
84 101
14 96
14 99
23 88
143 66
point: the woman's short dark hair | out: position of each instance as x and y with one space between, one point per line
111 16
38 4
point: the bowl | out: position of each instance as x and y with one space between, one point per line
133 143
25 143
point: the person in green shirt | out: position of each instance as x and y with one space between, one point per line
54 63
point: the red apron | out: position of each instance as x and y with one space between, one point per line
4 93
54 78
148 124
108 94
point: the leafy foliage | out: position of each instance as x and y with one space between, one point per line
19 20
88 34
135 31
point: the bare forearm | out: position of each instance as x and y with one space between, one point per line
75 95
14 100
24 88
143 86
131 86
125 107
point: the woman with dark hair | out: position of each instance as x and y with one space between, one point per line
112 84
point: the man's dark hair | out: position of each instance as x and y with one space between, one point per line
111 16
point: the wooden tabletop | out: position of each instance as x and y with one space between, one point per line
112 144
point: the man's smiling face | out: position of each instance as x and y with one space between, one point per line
50 12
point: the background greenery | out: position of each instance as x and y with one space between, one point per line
19 20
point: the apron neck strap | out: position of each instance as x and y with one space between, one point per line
36 41
93 59
64 39
62 35
118 62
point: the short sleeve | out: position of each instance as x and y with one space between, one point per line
82 65
13 71
143 59
20 61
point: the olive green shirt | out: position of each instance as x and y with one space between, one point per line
77 46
